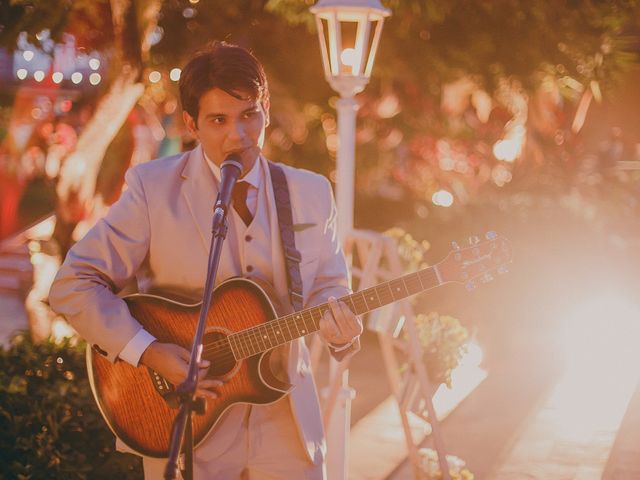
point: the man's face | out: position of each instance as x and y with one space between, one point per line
229 125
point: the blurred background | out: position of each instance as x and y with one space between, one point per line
519 117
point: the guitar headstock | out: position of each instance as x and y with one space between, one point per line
477 262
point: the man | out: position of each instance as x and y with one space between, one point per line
159 233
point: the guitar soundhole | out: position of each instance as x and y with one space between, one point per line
218 351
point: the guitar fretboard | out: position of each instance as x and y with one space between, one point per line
279 331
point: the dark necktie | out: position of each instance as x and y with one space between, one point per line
240 201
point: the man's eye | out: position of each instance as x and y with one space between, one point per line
218 120
250 113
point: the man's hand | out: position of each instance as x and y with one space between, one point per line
172 362
339 325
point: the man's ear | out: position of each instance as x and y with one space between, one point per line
190 123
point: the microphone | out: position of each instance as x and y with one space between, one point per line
229 172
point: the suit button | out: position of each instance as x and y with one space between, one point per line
248 238
249 268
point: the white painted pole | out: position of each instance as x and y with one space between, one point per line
345 165
340 423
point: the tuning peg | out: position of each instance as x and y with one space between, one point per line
470 286
487 277
491 235
455 245
502 269
474 240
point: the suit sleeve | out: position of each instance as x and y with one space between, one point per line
332 277
100 265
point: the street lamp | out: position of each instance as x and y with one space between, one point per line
349 32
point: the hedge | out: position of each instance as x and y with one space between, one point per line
50 427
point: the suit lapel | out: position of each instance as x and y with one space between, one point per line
200 192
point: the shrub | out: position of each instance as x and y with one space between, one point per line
50 427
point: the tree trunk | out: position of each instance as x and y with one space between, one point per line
132 22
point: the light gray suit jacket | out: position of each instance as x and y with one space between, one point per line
159 233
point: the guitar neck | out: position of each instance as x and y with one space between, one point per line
261 338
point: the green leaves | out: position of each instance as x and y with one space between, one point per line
49 425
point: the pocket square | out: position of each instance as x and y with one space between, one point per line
298 227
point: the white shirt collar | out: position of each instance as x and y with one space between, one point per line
252 177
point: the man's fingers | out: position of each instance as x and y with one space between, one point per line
183 353
210 383
328 326
336 313
206 388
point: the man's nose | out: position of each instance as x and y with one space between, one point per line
238 131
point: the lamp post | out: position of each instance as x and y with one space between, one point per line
349 32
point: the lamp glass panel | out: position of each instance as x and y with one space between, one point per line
347 51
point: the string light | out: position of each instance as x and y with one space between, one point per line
155 76
94 78
22 73
94 63
57 77
442 198
76 77
38 75
174 74
28 55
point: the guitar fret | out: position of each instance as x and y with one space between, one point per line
359 303
277 333
268 335
291 322
233 339
316 323
349 300
255 341
299 317
262 344
273 336
315 326
371 299
384 292
364 299
413 283
398 290
240 339
427 276
286 324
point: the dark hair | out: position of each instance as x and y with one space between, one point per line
225 66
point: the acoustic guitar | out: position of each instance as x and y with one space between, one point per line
243 329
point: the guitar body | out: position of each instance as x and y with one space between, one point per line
132 399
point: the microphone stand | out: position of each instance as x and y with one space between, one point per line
186 391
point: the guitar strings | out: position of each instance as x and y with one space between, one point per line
247 341
289 321
254 342
321 310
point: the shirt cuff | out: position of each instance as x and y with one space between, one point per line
342 348
133 350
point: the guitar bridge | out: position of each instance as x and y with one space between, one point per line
164 388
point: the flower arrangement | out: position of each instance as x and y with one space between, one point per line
430 469
444 342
